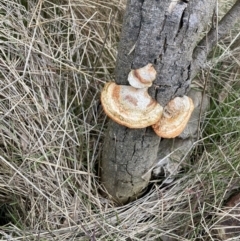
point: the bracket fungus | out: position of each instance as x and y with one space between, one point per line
175 117
131 107
143 77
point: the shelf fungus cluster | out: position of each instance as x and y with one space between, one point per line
133 107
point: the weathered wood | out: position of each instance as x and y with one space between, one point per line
164 33
173 154
128 155
217 32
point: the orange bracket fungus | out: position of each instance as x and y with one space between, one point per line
175 117
129 106
143 77
133 107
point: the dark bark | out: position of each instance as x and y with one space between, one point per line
166 39
165 36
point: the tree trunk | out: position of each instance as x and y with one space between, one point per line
164 33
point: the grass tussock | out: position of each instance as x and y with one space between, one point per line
54 58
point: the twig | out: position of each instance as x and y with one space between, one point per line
207 44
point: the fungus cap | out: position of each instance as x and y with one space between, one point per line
175 117
129 106
143 77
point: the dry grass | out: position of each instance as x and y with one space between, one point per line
54 57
